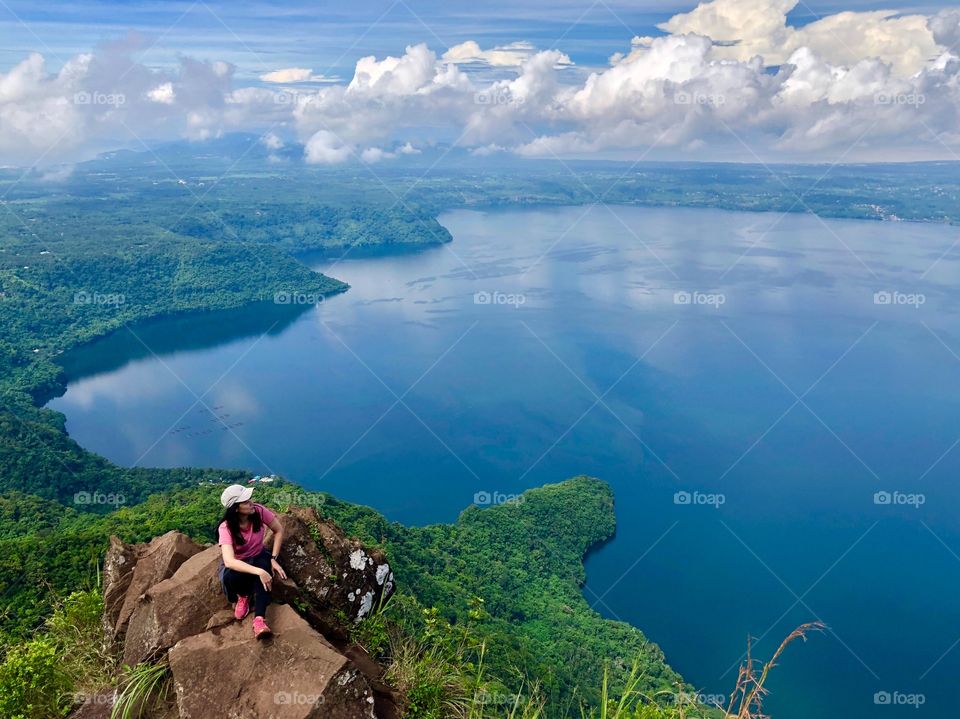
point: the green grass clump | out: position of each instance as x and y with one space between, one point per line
143 686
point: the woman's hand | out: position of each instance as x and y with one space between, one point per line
277 569
265 579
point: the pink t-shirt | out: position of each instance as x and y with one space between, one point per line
252 541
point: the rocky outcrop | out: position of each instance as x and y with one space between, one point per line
339 575
175 608
298 674
131 571
163 599
118 568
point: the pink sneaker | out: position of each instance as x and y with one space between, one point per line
260 628
242 608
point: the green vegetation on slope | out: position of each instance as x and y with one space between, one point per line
523 560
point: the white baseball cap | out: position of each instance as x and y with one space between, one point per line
235 493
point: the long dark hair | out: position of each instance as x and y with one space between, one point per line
232 518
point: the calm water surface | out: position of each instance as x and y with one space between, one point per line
733 376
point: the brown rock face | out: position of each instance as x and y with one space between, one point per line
118 568
296 674
175 608
151 563
339 576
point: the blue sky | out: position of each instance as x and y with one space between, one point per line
330 36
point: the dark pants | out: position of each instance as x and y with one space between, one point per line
240 584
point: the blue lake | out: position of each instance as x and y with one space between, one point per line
747 383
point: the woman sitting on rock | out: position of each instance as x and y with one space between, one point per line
247 567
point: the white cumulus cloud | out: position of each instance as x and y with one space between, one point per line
510 55
729 78
163 94
326 148
291 75
759 27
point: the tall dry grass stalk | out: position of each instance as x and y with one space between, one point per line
746 701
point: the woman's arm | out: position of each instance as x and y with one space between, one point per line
277 530
230 561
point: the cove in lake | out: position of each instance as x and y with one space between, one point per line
747 383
